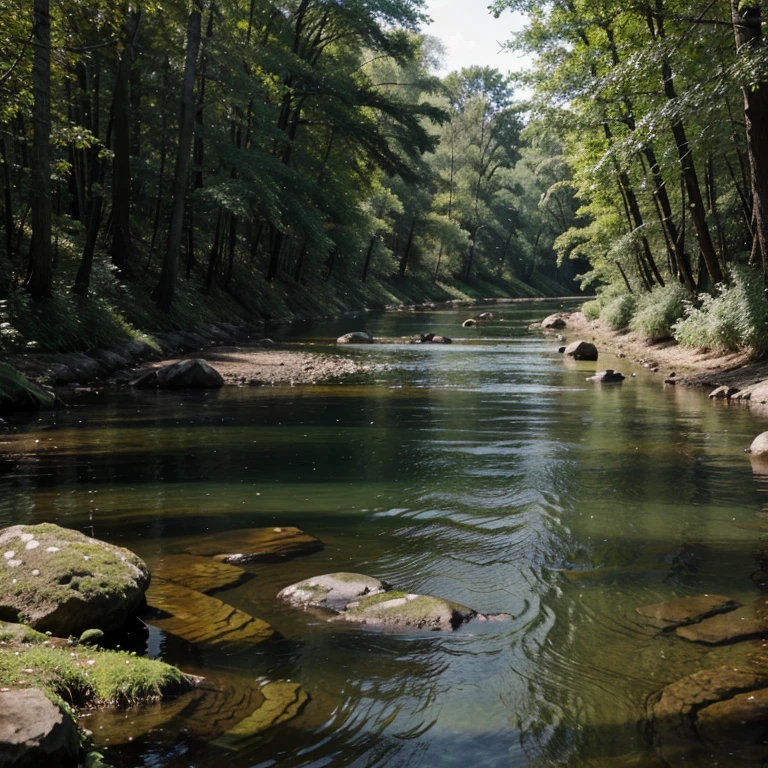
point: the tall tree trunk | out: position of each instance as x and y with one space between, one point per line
7 202
122 247
407 249
40 277
747 23
166 287
367 262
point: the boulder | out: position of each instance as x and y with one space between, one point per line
356 337
186 374
332 591
581 350
759 447
17 393
607 377
554 321
35 732
469 323
256 545
408 610
63 582
441 340
686 610
723 393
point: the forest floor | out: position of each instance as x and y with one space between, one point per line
690 367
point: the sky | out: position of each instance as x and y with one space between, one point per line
472 36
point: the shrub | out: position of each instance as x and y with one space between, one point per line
617 312
591 309
736 318
658 311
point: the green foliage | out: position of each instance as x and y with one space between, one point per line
736 318
592 309
658 311
617 312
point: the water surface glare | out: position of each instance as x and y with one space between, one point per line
489 472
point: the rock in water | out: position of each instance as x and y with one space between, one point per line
257 545
686 610
759 447
608 376
63 582
581 350
199 573
356 337
186 374
407 610
35 733
743 624
332 591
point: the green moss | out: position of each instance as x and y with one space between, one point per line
19 633
82 676
367 602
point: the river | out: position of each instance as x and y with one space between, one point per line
487 471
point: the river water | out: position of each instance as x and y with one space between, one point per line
488 472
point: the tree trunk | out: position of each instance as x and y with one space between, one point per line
40 277
407 251
367 262
747 22
166 287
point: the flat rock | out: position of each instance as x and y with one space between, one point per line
35 732
686 610
581 350
256 545
333 591
202 574
203 620
408 610
743 624
64 582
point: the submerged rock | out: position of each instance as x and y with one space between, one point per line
356 337
35 732
332 591
199 573
743 624
581 350
18 393
408 610
257 545
202 620
63 582
607 376
185 374
469 323
686 610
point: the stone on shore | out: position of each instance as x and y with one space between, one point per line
331 591
17 393
722 393
759 447
63 582
35 732
581 350
749 621
185 374
202 620
686 610
356 337
408 610
554 321
256 545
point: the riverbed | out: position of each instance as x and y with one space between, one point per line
487 471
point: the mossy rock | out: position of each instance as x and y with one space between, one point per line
18 393
331 591
199 573
20 633
61 581
203 620
409 610
256 545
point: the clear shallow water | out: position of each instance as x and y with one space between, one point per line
489 472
